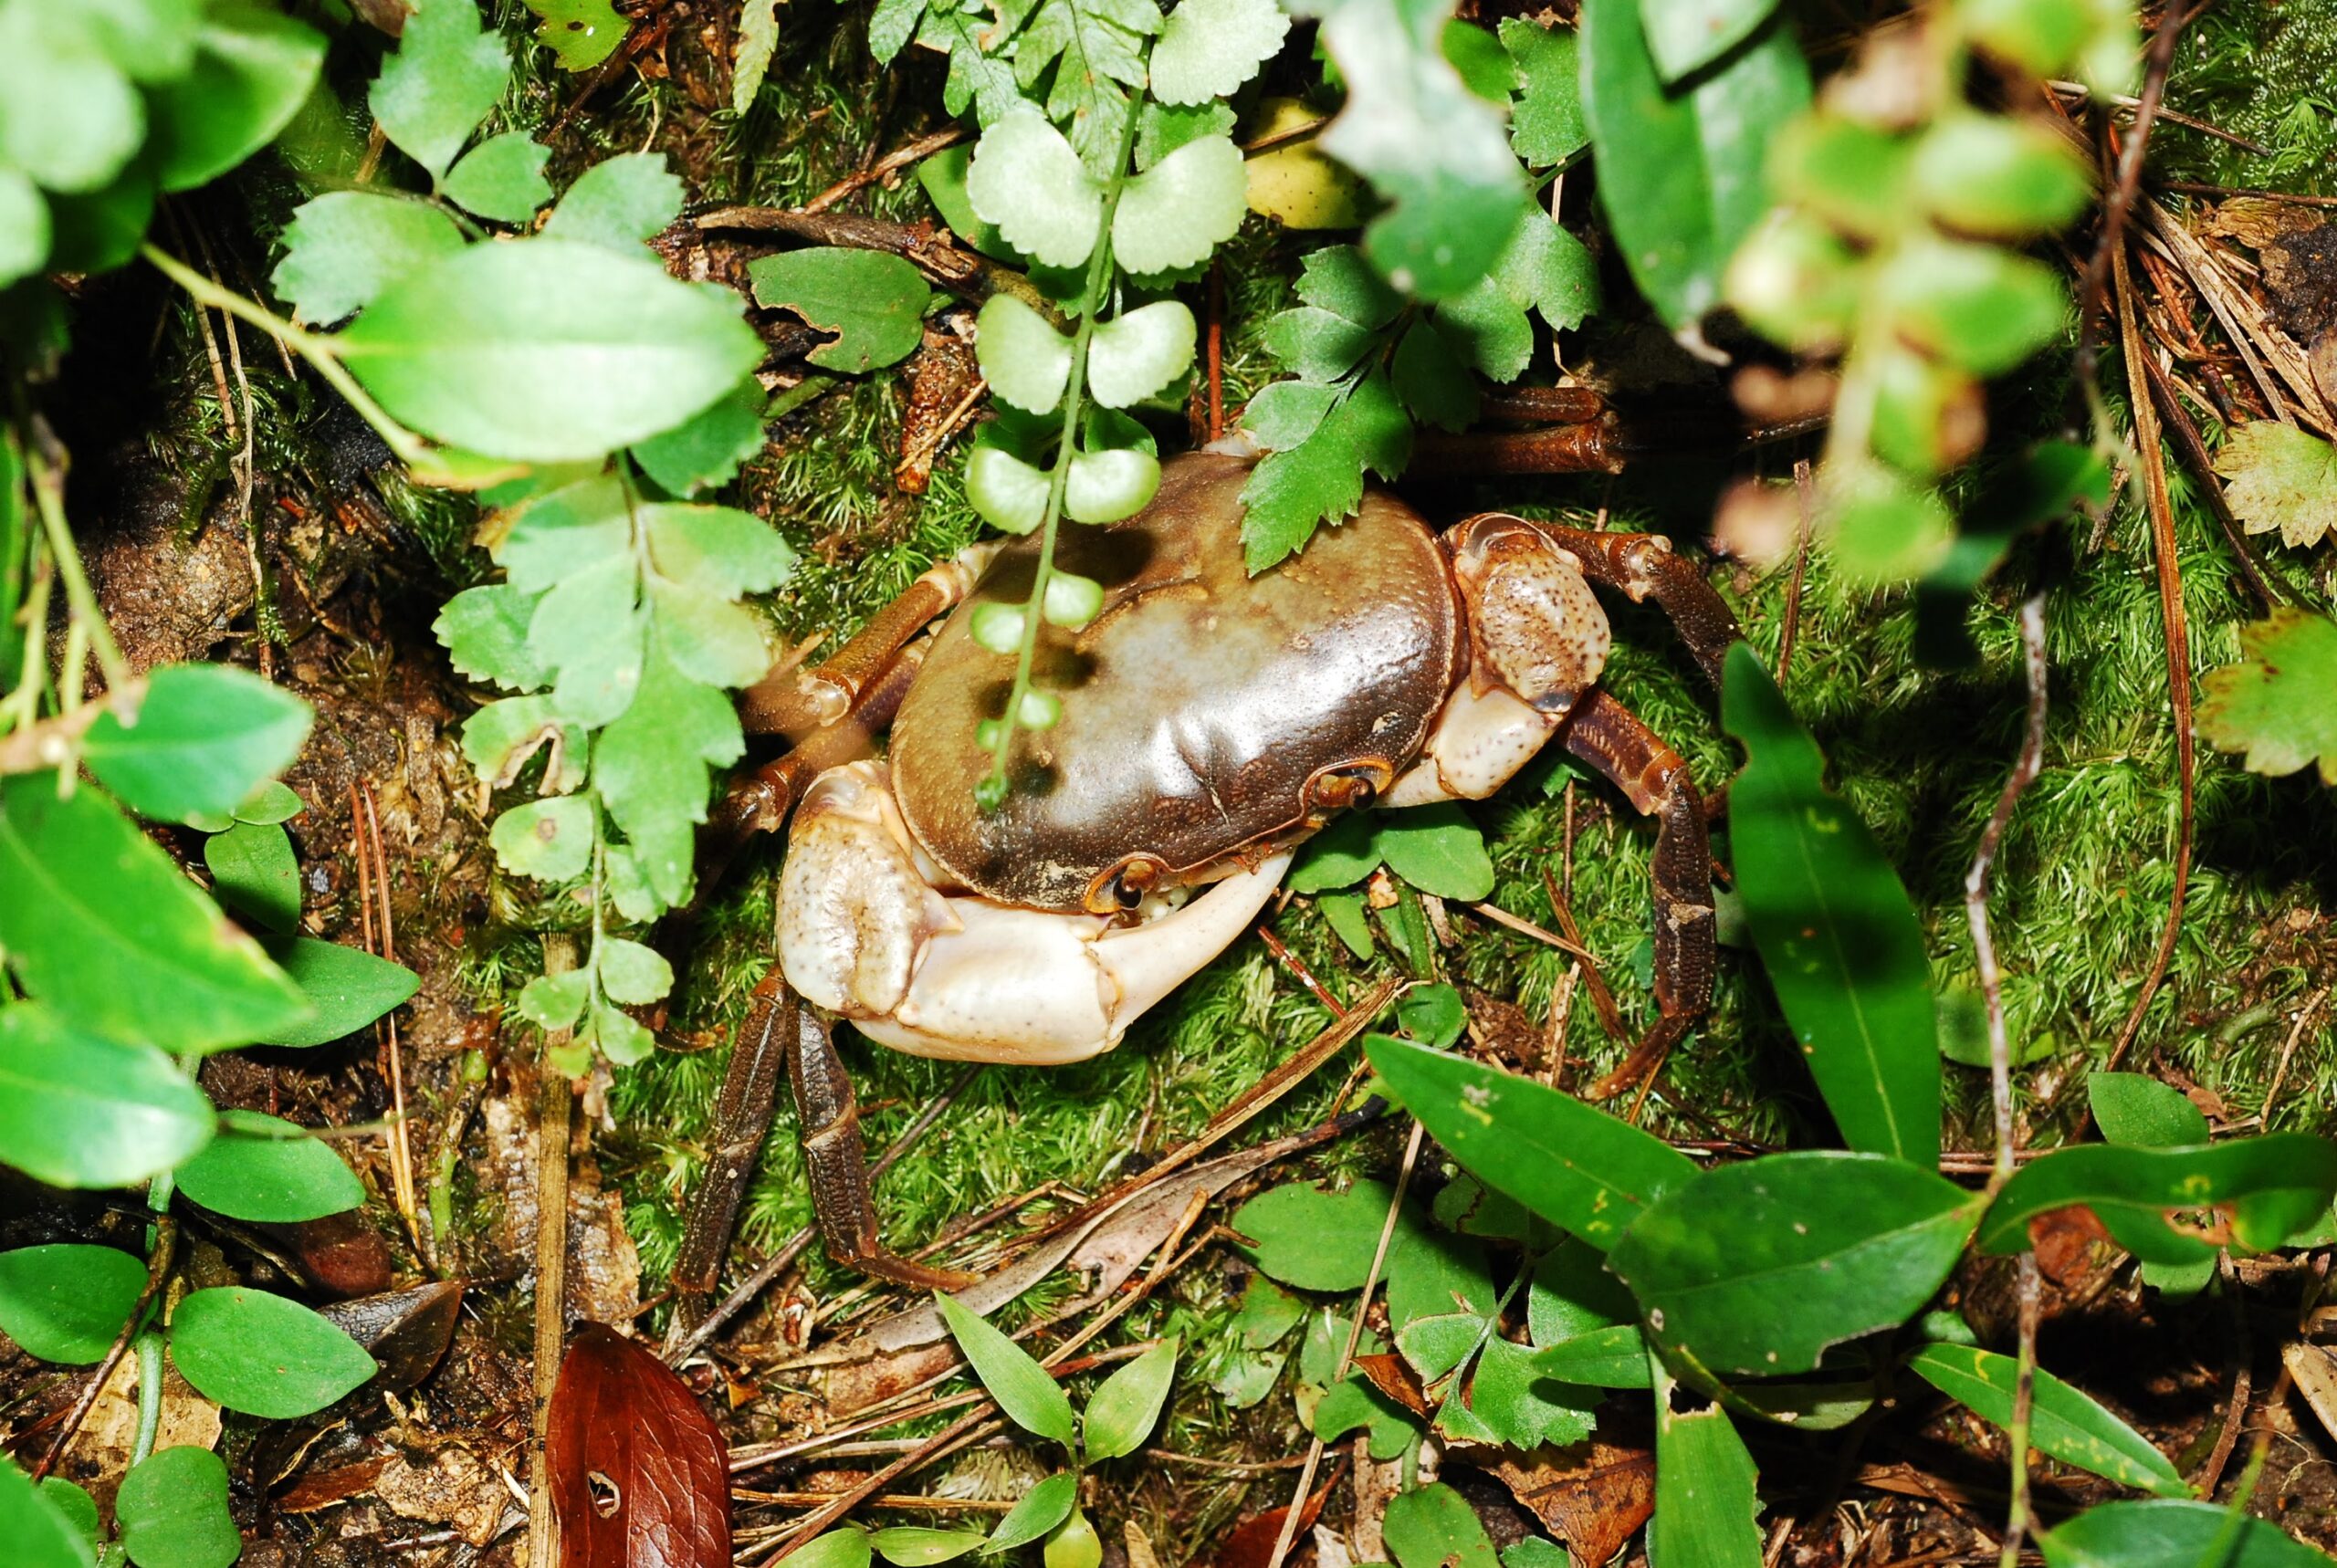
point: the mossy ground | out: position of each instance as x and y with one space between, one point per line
2082 884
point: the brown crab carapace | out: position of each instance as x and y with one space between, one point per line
1211 721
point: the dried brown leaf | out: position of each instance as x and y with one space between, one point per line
639 1478
1594 1495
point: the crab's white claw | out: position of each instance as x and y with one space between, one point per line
863 932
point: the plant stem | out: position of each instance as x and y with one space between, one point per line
1100 270
48 496
320 352
149 1351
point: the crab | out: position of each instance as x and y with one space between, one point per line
1213 721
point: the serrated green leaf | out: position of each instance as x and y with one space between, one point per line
2283 480
872 302
268 1170
1543 265
631 972
500 738
549 840
447 75
1027 180
1210 47
81 1111
1321 479
1339 279
1545 121
35 1526
2279 704
346 988
203 738
1484 326
97 922
262 1355
1183 207
619 201
1022 1388
1835 929
1680 170
1139 352
2063 1421
485 632
67 1302
1755 1270
580 34
708 639
1429 146
891 25
1097 47
172 1510
1026 362
978 79
552 1001
502 178
255 873
608 349
650 766
1432 379
590 630
720 550
345 247
1126 1405
1319 345
565 530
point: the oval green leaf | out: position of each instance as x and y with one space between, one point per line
914 1546
1755 1270
1042 1508
1835 928
2135 1108
255 873
1317 1238
79 1111
1174 214
262 1355
172 1510
547 349
1024 1388
346 988
1025 361
37 1533
2170 1534
267 1169
1612 1357
67 1302
2062 1421
204 738
1026 179
252 69
1123 1410
1581 1169
2262 1190
872 302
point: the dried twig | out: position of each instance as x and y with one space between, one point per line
158 1269
916 151
373 898
555 1106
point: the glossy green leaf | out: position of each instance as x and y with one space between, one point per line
1024 1388
1104 486
1757 1269
1581 1169
1140 352
68 1302
2169 1534
38 1532
203 738
846 1546
917 1546
2135 1108
1705 1506
98 923
253 68
267 1169
77 1507
77 1110
544 349
348 988
1433 1015
2062 1421
1434 1527
1174 214
1039 1511
1680 170
255 874
502 178
448 73
1026 179
1979 307
1316 1238
262 1355
1438 849
1612 1357
172 1510
24 227
1208 48
1026 362
345 247
1834 927
872 302
619 201
1353 1404
1430 147
2261 1191
1126 1405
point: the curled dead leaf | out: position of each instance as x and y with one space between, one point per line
1594 1495
639 1478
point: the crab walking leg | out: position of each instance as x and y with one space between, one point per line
795 702
864 931
1612 739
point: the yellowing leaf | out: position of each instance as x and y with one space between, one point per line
2279 704
2281 479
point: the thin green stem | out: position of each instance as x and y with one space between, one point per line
48 498
1099 270
149 1351
322 354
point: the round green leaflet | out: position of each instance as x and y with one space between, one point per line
79 1111
267 1169
67 1302
262 1355
173 1511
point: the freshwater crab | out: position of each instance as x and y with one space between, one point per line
1216 720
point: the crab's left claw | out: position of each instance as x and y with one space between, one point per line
864 931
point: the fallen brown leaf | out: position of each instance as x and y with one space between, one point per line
639 1476
2071 1245
1252 1544
1594 1495
407 1332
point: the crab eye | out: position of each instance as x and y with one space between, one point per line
1125 894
